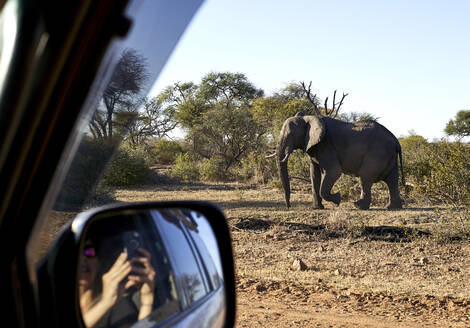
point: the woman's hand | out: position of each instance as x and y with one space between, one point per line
113 288
143 276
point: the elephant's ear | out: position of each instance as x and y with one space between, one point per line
315 131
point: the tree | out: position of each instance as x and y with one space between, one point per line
460 126
121 93
216 115
153 119
270 112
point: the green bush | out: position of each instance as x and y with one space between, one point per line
165 151
129 167
213 170
349 187
258 169
299 165
185 168
449 177
416 159
81 186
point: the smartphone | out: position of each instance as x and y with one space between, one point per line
132 241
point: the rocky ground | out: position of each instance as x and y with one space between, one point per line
337 267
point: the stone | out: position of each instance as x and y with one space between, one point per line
299 265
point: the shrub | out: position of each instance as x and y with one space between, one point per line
213 169
185 168
416 159
80 184
348 186
258 169
299 165
449 177
129 167
165 151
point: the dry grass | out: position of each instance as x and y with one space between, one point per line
408 267
403 252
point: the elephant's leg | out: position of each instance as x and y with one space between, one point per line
364 202
315 178
391 180
329 178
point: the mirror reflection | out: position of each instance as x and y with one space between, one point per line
148 266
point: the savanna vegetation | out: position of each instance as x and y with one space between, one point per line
337 267
222 128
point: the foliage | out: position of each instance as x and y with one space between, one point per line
185 168
357 117
299 166
81 183
230 125
227 133
416 152
257 168
152 119
348 186
449 178
270 112
460 126
213 170
216 115
164 151
121 94
129 167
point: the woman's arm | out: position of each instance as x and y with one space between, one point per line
112 290
144 275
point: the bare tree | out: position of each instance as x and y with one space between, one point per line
333 113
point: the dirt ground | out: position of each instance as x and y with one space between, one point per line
337 267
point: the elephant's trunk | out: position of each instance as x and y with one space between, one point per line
283 155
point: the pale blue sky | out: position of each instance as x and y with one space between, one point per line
407 62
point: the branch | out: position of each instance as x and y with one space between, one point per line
307 93
300 178
340 103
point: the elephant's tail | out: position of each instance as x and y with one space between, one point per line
401 166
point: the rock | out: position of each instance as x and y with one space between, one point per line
423 260
299 265
261 287
337 273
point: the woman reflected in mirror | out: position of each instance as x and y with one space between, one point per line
105 301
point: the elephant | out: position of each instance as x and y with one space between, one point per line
365 149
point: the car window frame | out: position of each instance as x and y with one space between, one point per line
177 270
199 260
204 261
191 307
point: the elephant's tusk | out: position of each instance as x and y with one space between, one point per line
285 158
269 156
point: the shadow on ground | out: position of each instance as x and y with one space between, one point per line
382 233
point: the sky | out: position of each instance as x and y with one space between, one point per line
406 62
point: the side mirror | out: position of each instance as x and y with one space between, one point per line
141 265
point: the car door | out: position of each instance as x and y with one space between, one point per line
52 67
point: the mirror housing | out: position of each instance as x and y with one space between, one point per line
59 271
